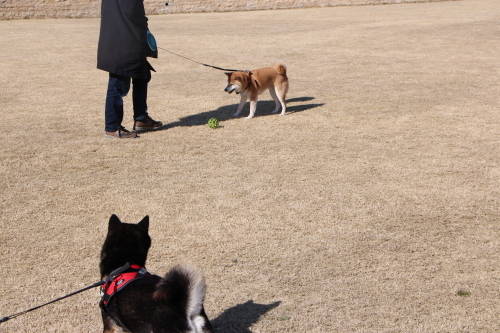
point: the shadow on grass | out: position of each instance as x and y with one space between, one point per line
264 108
241 317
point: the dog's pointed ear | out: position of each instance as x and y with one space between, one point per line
250 73
145 223
228 74
114 221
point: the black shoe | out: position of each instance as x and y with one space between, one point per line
121 134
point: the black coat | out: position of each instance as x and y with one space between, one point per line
122 45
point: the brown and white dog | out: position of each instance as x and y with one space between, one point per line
253 83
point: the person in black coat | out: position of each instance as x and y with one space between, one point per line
122 51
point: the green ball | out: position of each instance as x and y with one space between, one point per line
213 123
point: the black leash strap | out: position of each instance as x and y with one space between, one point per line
219 68
97 284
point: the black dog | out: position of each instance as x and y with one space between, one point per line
140 302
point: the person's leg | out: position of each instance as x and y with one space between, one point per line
140 97
142 121
118 87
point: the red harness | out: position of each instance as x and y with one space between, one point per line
120 278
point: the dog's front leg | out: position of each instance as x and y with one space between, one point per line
243 100
109 324
253 107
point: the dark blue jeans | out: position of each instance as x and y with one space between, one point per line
118 87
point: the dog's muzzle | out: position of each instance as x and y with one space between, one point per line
230 88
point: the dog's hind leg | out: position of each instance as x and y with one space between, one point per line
283 105
279 96
243 100
272 91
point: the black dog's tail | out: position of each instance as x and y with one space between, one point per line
183 288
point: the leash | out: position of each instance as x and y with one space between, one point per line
219 68
110 277
97 284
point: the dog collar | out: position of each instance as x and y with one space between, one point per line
120 278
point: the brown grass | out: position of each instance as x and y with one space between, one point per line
373 206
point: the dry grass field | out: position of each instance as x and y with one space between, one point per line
372 206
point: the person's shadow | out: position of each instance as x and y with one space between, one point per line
264 108
241 317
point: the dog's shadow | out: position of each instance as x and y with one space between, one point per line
241 317
264 108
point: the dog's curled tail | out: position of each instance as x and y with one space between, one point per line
280 67
183 287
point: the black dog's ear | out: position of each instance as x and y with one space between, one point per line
145 223
114 221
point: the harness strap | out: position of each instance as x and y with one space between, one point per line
116 281
120 278
250 74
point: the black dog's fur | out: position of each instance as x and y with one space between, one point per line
150 304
